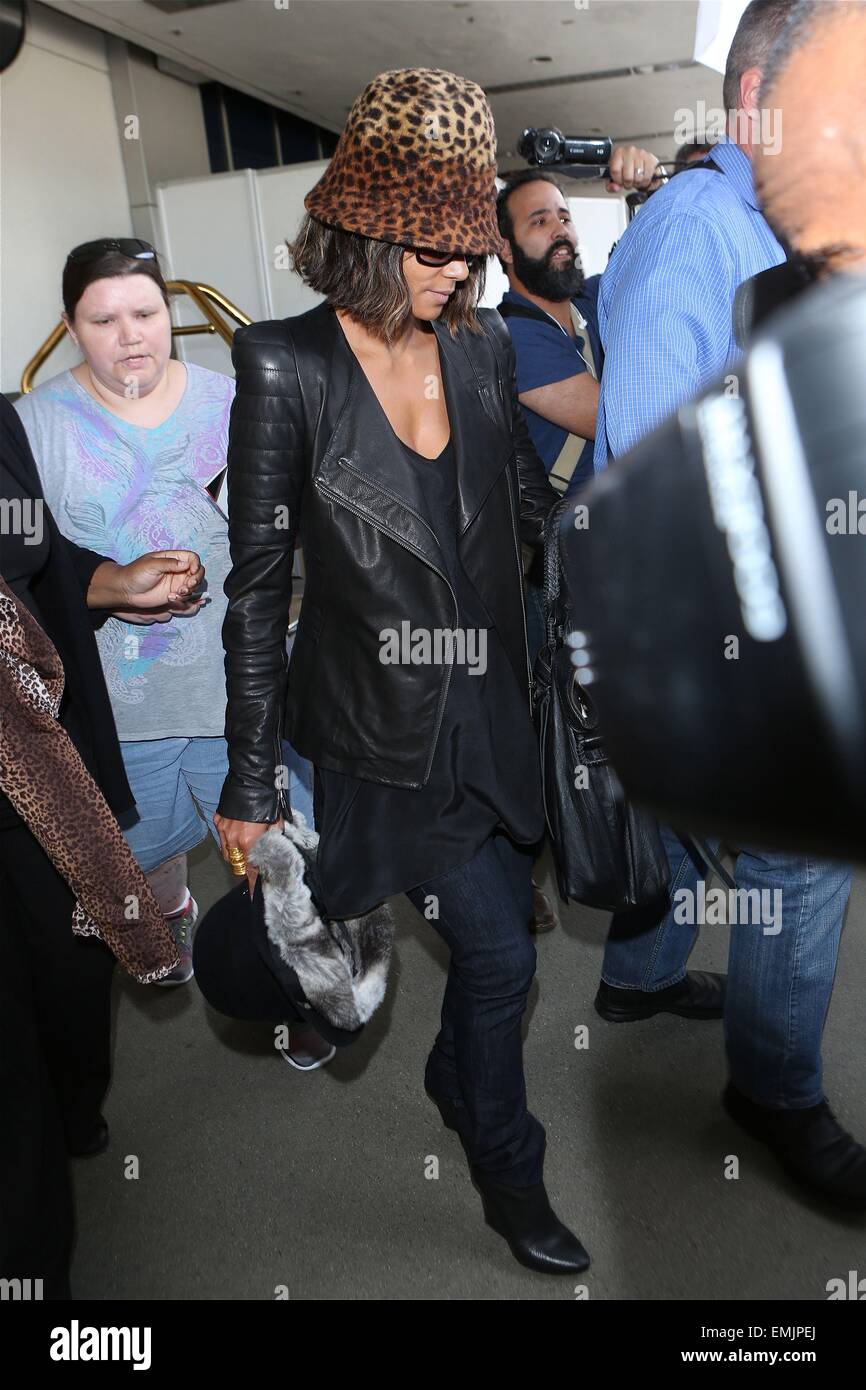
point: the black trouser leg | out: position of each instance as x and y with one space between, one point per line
483 909
55 1049
71 984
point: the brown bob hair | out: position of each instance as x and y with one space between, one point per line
365 277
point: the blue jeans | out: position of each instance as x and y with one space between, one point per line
177 784
780 972
484 910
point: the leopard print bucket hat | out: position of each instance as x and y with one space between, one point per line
415 165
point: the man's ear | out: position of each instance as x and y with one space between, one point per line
69 329
750 88
506 255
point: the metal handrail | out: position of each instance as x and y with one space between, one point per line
207 299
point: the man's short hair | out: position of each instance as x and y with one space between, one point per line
512 181
691 150
804 17
761 24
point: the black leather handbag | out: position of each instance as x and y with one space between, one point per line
608 853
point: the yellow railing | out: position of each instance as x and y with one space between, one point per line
208 300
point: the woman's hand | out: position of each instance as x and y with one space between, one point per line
153 588
164 579
242 835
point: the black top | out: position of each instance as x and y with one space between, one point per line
24 545
25 549
375 840
52 578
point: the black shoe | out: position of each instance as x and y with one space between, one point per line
535 1234
699 995
810 1144
96 1142
544 916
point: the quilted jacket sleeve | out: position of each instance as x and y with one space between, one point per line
265 484
537 496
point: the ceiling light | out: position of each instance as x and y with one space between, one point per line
173 6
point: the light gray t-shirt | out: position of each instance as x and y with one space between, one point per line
123 490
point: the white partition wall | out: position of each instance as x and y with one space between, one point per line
212 232
281 196
600 222
59 125
230 230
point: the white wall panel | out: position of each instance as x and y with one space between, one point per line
62 180
281 197
212 233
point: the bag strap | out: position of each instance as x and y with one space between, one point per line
706 163
566 462
554 618
581 330
711 860
508 310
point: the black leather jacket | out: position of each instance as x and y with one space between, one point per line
311 454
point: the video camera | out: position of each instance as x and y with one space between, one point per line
576 156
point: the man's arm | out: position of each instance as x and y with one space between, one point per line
551 379
572 404
668 325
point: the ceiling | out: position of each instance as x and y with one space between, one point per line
608 67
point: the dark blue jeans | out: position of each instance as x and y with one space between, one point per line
484 909
780 971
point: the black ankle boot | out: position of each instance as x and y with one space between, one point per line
537 1237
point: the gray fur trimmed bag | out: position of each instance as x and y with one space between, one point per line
341 966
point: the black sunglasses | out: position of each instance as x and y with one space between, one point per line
127 246
439 258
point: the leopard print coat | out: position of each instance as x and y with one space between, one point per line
42 774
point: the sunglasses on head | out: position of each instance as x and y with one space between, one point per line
424 256
127 246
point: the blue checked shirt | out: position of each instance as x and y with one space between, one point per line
665 300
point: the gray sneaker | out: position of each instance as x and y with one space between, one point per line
307 1051
181 930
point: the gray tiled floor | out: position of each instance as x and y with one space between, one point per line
253 1176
